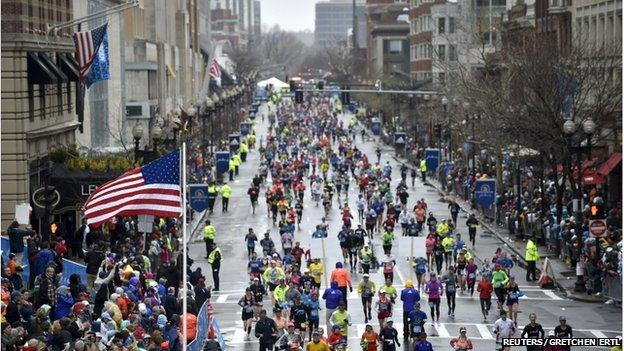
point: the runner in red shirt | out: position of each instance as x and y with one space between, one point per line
485 289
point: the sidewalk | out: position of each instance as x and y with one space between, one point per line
564 277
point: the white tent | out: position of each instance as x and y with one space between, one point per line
273 81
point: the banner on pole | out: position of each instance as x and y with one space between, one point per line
198 197
485 192
376 126
6 248
71 267
244 128
223 159
400 138
234 140
432 158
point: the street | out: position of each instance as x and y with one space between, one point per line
586 319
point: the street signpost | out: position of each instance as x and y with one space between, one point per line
485 192
597 227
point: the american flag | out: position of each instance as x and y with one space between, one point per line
215 69
87 45
153 189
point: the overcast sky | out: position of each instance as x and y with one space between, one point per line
289 14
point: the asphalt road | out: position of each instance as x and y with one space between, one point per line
587 320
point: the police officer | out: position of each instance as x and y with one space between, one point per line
226 192
214 260
237 162
244 149
209 235
212 196
231 168
423 169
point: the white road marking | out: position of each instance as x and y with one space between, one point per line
442 331
222 298
360 329
552 295
483 330
598 333
399 274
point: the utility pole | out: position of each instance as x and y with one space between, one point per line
354 29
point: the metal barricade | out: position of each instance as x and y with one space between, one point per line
612 287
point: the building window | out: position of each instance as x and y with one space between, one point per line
441 27
441 77
451 25
441 52
452 53
393 46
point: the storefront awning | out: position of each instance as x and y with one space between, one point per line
61 77
610 164
69 66
38 71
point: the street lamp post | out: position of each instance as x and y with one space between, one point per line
569 129
208 109
137 134
445 107
156 135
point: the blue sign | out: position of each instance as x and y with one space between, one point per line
376 126
26 267
71 267
223 161
198 197
400 139
432 158
485 192
234 142
244 128
6 249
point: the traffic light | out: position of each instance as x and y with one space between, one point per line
298 96
320 85
293 87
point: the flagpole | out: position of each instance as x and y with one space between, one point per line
184 253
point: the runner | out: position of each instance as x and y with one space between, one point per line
499 281
472 224
461 342
383 306
451 282
247 302
369 339
533 330
417 319
366 258
433 289
513 298
250 239
366 288
503 328
388 337
485 296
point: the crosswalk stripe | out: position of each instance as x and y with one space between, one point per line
598 333
483 330
222 298
361 328
442 331
552 295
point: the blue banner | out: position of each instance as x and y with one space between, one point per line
71 267
485 192
223 159
26 267
376 126
244 128
198 197
6 248
432 158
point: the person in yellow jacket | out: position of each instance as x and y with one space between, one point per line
279 295
244 149
212 196
209 236
423 169
237 162
214 260
231 168
226 193
251 140
531 256
447 244
442 229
